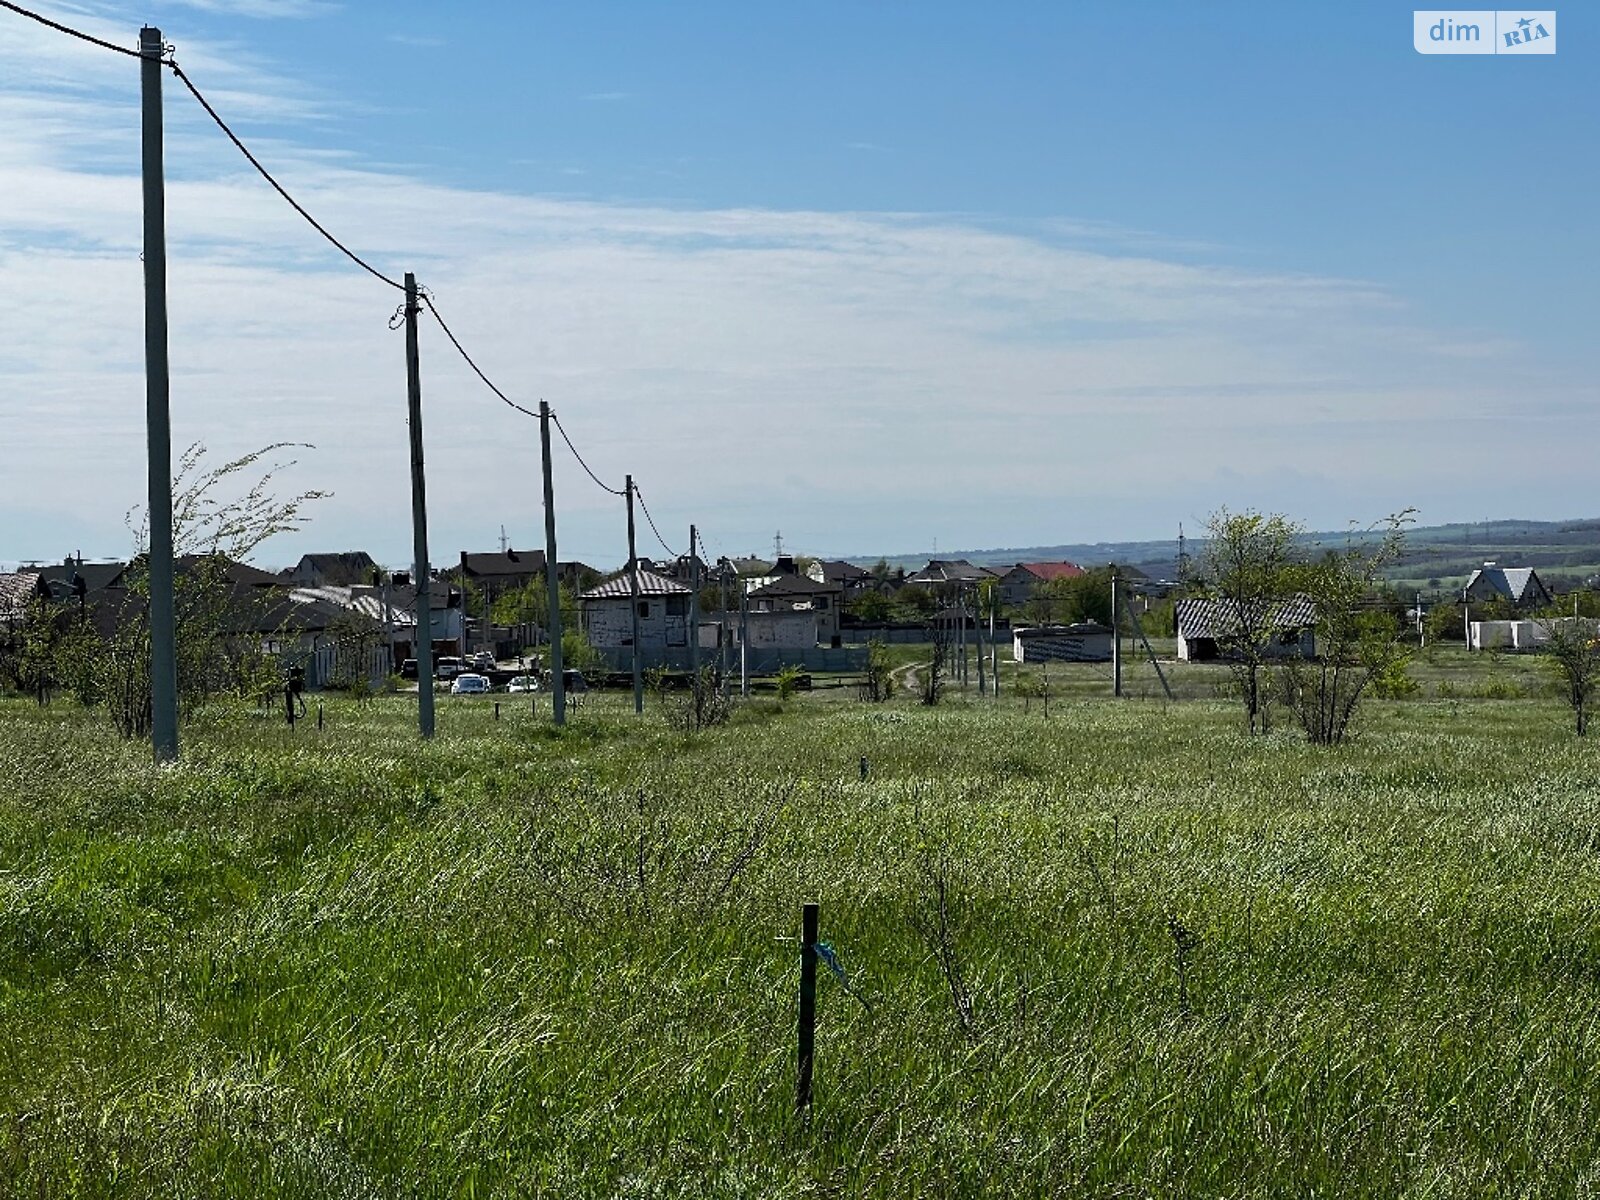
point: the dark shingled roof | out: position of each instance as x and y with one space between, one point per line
502 563
795 585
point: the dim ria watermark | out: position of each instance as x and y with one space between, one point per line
1484 31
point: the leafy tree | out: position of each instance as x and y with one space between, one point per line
1247 568
1574 657
877 683
219 644
872 607
1359 634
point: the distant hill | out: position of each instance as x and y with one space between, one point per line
1437 557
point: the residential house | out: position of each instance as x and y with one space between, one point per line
76 578
1017 585
1206 626
849 578
951 570
1519 585
663 612
343 569
801 593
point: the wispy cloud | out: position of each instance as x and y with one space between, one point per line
421 41
860 379
265 9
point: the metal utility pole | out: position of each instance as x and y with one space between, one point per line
1116 641
419 518
633 594
552 578
158 559
694 610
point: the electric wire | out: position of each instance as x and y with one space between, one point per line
431 303
276 186
598 483
71 32
646 510
433 307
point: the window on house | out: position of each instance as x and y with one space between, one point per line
644 610
677 606
821 602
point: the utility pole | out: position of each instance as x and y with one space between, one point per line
1116 639
744 641
977 629
419 518
163 617
694 610
724 635
994 650
633 594
552 577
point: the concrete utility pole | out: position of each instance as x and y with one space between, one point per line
694 610
158 558
633 593
977 629
724 635
419 518
552 577
744 640
1116 641
994 650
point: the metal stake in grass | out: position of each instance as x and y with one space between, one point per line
807 1038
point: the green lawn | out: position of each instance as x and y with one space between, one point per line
1170 960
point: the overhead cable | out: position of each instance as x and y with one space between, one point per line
598 482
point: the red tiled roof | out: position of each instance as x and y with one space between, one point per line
1052 570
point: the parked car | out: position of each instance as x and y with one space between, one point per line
469 685
408 669
483 661
572 680
448 668
523 683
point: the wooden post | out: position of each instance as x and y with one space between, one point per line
319 716
807 1039
694 611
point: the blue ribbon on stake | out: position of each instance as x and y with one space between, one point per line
829 955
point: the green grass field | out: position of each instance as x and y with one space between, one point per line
1171 960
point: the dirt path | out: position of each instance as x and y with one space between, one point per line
906 677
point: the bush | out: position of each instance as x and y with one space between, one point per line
787 679
1395 682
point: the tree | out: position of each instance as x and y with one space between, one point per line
877 681
939 635
219 637
1360 636
1574 658
1247 568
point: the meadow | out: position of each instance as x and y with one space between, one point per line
1124 950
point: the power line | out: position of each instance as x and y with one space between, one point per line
69 31
646 510
602 486
276 186
433 307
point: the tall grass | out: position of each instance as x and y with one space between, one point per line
522 962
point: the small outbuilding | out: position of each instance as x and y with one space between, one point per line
1207 627
1084 642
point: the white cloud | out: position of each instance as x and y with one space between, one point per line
862 380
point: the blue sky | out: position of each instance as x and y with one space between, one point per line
872 274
